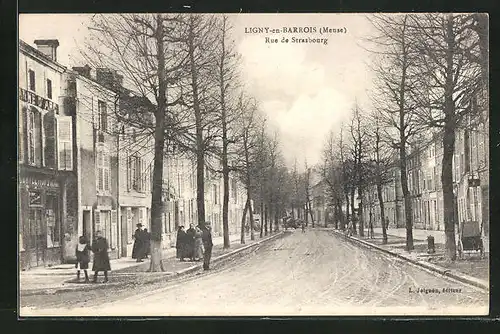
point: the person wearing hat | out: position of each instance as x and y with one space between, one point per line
207 244
139 246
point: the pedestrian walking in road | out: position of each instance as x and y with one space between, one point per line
82 253
138 249
147 243
207 244
303 227
181 244
198 244
190 242
101 258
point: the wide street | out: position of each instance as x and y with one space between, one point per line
311 273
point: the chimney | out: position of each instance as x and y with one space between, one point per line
109 78
48 47
83 70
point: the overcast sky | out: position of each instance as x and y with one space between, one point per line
305 89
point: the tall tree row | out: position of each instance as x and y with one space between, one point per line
179 87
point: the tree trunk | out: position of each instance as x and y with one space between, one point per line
266 211
225 202
448 197
310 212
449 146
261 218
407 199
382 211
347 216
243 222
360 213
200 149
276 220
156 197
225 142
353 216
252 223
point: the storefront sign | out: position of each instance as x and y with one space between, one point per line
42 183
35 198
30 97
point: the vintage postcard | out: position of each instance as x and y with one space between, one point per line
253 164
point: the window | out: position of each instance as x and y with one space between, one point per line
103 116
103 169
53 223
34 134
49 89
65 142
136 178
31 80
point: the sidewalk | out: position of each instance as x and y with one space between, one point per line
60 276
471 270
420 235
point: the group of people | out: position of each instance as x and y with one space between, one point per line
101 258
142 244
195 243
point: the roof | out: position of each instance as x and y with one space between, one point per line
29 50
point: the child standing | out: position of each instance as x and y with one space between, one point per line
82 258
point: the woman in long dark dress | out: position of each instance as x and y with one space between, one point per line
190 242
101 258
138 249
180 245
198 244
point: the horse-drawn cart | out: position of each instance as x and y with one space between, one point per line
469 238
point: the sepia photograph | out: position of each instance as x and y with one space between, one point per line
180 164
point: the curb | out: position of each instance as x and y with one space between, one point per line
478 283
167 276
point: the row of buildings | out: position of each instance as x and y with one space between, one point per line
424 167
81 170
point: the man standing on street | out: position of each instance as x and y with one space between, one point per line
207 244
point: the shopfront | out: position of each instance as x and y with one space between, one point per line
39 220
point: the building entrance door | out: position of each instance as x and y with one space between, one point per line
38 238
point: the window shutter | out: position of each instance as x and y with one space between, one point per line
143 175
97 221
23 135
64 142
129 173
100 176
38 138
113 242
49 143
106 170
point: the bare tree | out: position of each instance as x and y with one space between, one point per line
144 49
382 161
332 175
450 82
359 138
396 84
226 62
246 155
307 190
